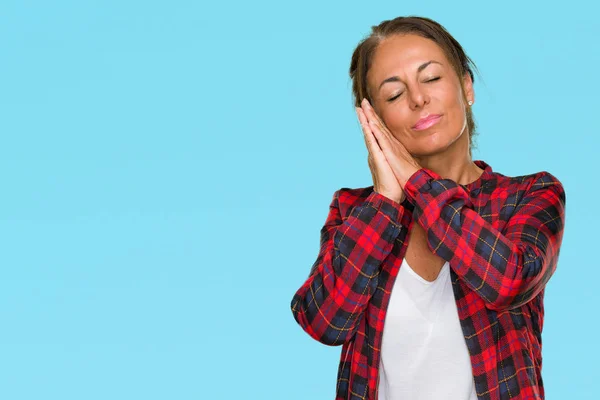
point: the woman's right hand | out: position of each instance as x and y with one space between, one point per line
384 180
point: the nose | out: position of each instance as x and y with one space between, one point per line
417 98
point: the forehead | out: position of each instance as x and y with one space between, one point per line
400 54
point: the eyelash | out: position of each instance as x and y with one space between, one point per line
395 97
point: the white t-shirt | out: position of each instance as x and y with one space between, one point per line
424 355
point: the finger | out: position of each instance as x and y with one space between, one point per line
370 112
373 171
364 106
391 147
364 125
383 140
379 134
393 150
383 135
377 154
370 139
375 119
366 135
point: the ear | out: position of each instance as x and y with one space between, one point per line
468 87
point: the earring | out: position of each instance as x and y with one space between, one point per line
470 102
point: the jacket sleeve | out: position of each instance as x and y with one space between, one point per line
330 303
509 268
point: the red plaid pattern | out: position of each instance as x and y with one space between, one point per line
501 236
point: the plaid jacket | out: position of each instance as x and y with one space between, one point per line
501 236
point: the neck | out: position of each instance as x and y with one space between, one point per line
455 163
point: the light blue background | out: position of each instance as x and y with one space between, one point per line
167 166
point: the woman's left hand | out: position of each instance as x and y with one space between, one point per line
400 160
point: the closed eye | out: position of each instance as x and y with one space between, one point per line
395 97
399 94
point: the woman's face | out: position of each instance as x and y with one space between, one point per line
411 78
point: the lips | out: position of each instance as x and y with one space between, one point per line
427 122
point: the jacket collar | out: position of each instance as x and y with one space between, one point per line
483 179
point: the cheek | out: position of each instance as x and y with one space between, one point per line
451 97
397 120
454 107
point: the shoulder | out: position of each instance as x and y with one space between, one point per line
517 188
527 182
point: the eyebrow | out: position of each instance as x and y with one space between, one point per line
396 79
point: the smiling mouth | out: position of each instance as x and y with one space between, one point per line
427 124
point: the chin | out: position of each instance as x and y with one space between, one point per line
432 143
427 152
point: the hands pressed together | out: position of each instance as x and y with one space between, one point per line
390 163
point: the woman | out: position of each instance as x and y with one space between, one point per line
432 279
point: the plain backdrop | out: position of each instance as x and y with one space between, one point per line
166 167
